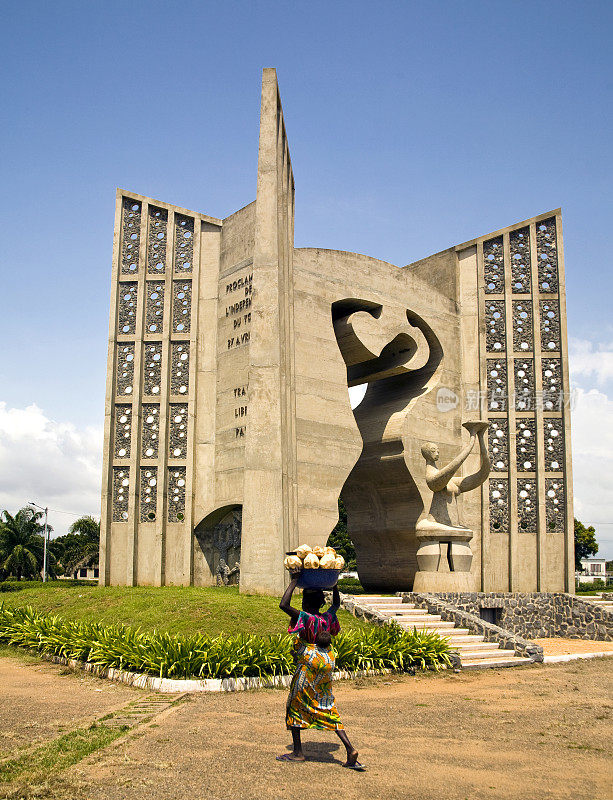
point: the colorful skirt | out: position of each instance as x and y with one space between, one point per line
311 703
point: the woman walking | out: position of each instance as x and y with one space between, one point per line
311 703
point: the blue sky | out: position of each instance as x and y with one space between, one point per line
412 127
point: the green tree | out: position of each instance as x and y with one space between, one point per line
339 539
585 543
22 544
80 546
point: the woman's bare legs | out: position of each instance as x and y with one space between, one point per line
352 753
296 754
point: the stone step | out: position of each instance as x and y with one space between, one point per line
598 602
444 634
466 638
428 622
410 612
495 652
364 598
492 663
473 646
389 606
455 632
444 628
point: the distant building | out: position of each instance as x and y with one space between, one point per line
89 573
82 572
592 569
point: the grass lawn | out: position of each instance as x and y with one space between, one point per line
61 753
175 609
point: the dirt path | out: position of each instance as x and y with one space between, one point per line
37 703
535 732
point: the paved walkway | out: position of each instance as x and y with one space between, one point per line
532 732
560 647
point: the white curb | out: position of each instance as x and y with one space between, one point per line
575 657
166 685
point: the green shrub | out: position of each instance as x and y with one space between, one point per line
10 586
597 585
351 585
202 656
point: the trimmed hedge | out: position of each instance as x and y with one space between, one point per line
10 586
202 656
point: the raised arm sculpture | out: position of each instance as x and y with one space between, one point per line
440 532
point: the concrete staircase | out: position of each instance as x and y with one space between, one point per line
474 652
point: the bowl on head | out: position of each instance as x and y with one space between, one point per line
318 578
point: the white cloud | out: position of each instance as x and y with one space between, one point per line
48 462
591 372
590 360
592 449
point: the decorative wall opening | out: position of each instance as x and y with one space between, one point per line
498 443
219 538
176 494
519 243
150 430
125 369
120 493
126 317
179 368
153 368
177 440
181 306
123 430
493 266
184 243
547 252
155 307
130 239
156 241
148 494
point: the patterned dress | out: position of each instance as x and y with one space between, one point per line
311 703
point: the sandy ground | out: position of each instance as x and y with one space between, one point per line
559 647
531 732
37 703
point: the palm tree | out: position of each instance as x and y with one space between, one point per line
88 527
21 561
22 543
80 546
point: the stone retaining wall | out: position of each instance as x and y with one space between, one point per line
533 615
450 612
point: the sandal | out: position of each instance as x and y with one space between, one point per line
357 767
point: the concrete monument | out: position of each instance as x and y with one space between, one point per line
229 435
